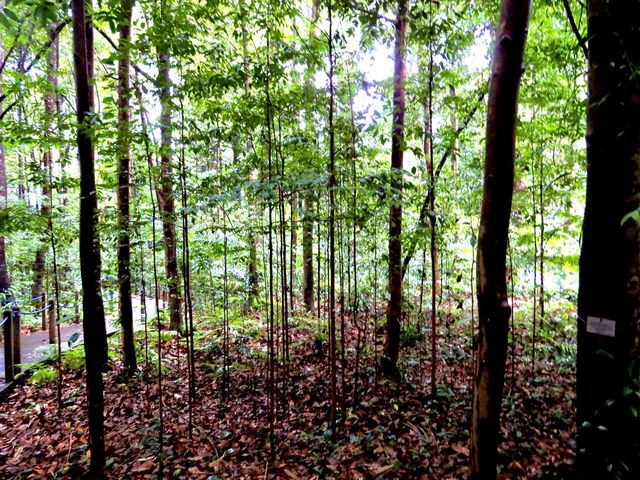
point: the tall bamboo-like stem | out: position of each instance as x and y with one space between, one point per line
354 245
158 323
332 242
432 222
186 273
271 344
56 285
154 262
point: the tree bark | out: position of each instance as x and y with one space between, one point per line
607 365
253 297
493 306
394 289
165 192
307 253
5 282
124 170
50 111
93 320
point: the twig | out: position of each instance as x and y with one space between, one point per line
115 47
574 27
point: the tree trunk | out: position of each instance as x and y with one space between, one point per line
50 111
307 253
394 306
331 170
93 321
493 306
307 217
609 291
293 247
253 296
5 283
165 192
124 169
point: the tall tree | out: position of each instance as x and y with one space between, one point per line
165 189
124 170
252 239
93 312
5 282
609 291
307 218
493 306
331 170
50 111
394 306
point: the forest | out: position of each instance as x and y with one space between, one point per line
320 239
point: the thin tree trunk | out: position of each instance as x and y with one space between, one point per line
493 305
272 328
124 170
307 253
435 264
307 218
293 203
454 127
541 210
332 234
50 111
11 330
252 239
5 282
93 321
394 289
165 191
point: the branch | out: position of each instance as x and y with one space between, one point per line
52 38
424 210
13 44
8 109
54 34
370 13
574 27
115 47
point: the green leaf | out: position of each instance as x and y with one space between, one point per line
635 215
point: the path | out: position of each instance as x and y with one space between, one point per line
35 346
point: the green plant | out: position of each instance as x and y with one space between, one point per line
73 358
43 374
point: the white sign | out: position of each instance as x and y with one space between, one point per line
601 326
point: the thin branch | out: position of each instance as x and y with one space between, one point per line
424 210
52 38
8 109
115 47
54 34
574 27
370 13
13 44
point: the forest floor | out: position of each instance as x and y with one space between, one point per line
392 430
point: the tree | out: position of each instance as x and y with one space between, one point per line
50 110
608 364
93 312
394 306
124 168
5 282
493 306
165 189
